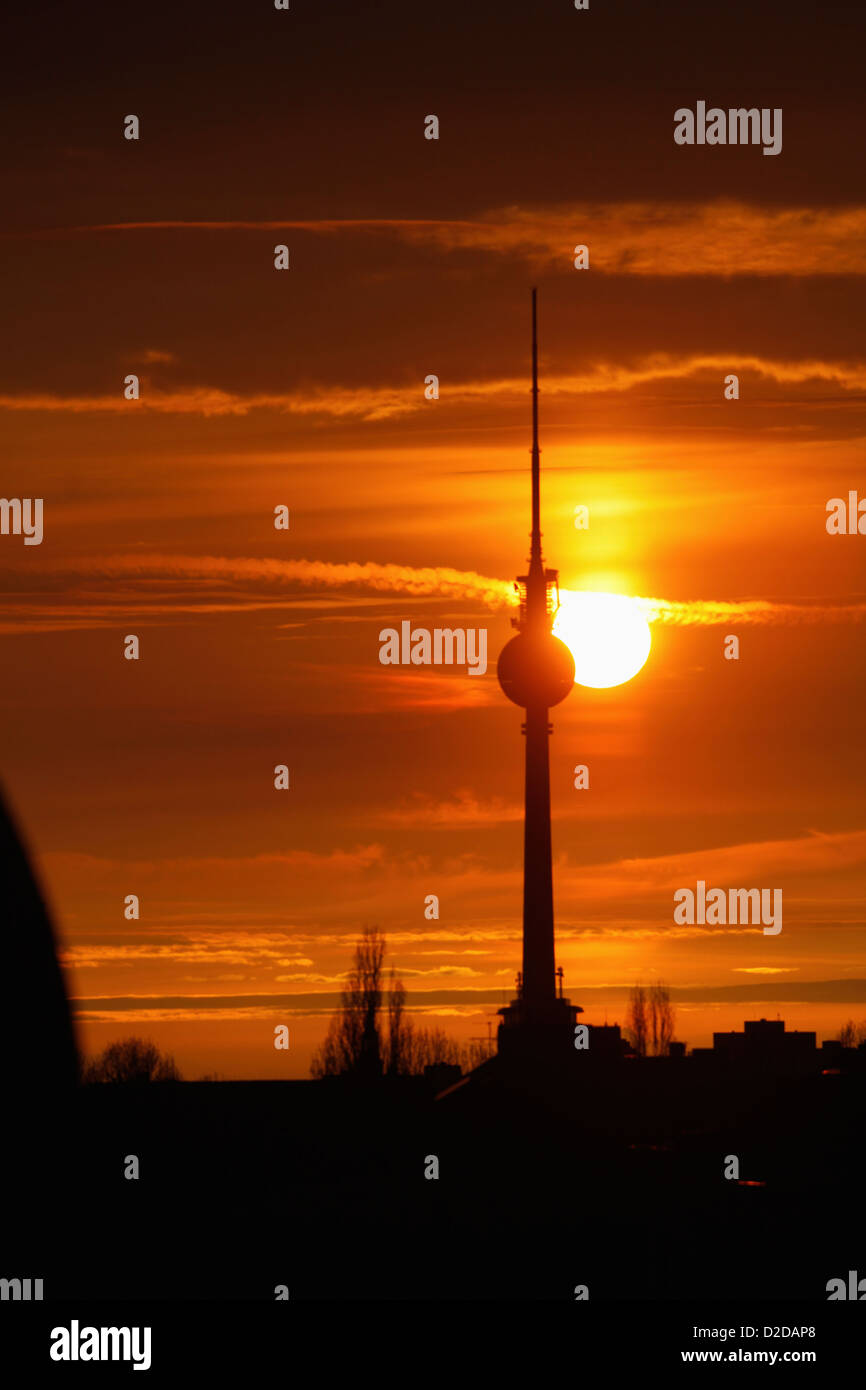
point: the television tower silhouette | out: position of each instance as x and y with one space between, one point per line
536 671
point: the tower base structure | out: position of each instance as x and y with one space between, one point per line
536 1055
542 1032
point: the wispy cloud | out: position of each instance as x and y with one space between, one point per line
464 810
366 874
766 969
718 237
201 948
157 355
373 403
816 852
162 1007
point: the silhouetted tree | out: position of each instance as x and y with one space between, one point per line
475 1052
636 1020
430 1047
365 985
399 1045
327 1059
662 1019
852 1034
130 1062
353 1043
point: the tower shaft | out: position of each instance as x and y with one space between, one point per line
539 983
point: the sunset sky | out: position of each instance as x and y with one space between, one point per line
306 388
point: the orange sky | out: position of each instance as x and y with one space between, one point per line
306 388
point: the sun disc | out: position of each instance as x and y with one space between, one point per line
607 634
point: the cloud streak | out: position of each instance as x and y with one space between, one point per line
376 403
195 1006
720 237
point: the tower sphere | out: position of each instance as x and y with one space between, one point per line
536 669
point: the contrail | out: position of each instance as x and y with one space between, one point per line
201 583
439 581
445 582
705 612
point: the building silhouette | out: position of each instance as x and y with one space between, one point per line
764 1044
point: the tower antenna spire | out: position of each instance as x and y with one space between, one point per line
535 549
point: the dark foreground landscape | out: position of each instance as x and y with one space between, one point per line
320 1186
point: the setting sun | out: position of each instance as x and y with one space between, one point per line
607 634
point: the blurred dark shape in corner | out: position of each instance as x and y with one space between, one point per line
39 1068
